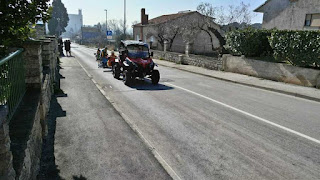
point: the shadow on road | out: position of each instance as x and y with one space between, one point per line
79 178
146 85
48 167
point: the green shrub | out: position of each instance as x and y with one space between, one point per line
301 48
249 42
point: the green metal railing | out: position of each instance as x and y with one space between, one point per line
12 81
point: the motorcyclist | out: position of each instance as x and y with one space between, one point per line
98 54
104 56
112 59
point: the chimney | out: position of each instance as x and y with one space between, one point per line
144 17
80 12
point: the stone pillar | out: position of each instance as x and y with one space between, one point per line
318 82
55 56
46 52
180 59
165 46
188 48
6 167
33 63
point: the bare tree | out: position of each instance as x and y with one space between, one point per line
167 32
240 14
206 23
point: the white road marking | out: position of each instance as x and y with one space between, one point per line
248 114
135 128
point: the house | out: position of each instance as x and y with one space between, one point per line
291 14
179 29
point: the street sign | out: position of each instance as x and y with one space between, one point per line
109 34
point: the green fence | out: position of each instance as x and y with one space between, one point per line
12 81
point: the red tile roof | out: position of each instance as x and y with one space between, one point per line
166 18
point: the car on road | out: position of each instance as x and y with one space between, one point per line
135 61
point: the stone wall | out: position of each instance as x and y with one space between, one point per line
31 162
212 63
6 167
32 56
272 71
46 93
20 145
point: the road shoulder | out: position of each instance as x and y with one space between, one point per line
284 88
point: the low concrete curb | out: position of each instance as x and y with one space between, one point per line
269 88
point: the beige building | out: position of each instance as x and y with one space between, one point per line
291 14
178 30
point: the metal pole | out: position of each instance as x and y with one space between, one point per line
125 18
106 20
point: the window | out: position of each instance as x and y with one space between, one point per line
312 20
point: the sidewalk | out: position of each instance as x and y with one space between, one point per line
289 89
88 139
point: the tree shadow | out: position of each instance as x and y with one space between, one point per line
48 167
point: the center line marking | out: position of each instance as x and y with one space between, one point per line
250 115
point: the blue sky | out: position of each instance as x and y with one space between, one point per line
93 10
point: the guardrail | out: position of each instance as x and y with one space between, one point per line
12 81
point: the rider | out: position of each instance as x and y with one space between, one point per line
104 56
112 59
98 54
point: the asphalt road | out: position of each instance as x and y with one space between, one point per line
204 128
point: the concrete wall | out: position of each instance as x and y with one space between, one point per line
283 14
212 63
272 71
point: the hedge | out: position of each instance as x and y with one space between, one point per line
301 48
249 42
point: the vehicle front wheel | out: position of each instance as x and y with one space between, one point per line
155 77
127 78
116 71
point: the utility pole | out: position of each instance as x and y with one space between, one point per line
125 18
106 20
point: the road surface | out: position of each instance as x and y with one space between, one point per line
203 128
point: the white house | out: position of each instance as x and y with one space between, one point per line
291 14
200 41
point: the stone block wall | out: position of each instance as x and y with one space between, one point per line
213 63
6 167
31 162
36 55
32 56
46 93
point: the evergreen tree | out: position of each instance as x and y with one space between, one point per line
59 18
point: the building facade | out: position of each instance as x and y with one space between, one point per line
291 14
199 42
74 25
